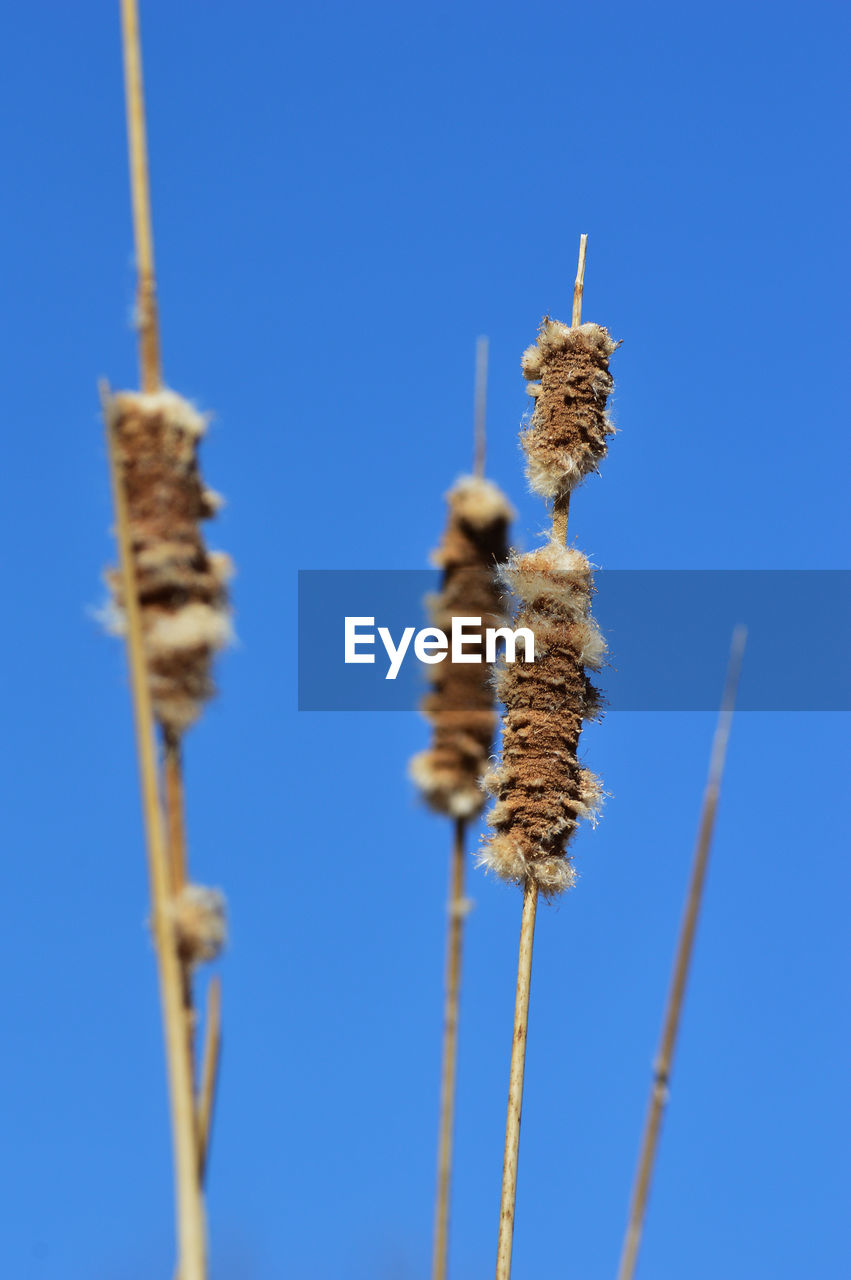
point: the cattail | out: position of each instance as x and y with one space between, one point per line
542 791
460 705
540 787
181 586
567 437
170 602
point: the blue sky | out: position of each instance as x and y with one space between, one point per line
344 198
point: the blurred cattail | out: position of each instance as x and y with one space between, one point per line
169 600
181 586
460 705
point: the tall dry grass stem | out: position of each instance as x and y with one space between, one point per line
480 408
159 500
682 962
460 707
150 370
457 910
191 1234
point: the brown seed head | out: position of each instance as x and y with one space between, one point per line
540 788
182 586
567 436
460 705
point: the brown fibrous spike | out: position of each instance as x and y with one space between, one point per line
541 790
567 435
182 586
460 704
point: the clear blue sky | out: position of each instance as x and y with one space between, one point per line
345 197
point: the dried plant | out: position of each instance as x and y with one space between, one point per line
460 707
541 789
682 963
170 603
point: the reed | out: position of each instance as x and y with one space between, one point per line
541 790
460 707
659 1088
170 601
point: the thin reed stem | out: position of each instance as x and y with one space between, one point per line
682 962
480 409
177 976
189 1205
579 284
457 910
209 1072
517 1070
174 808
515 1082
150 370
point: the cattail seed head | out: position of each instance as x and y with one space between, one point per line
567 435
200 922
182 587
540 788
460 705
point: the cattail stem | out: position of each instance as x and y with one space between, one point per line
209 1072
480 408
174 808
189 1205
517 1070
176 973
579 283
150 371
682 962
515 1082
457 909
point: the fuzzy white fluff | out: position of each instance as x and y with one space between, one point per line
505 858
478 501
195 626
552 571
460 801
181 413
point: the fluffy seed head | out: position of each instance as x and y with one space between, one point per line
541 789
182 587
200 921
460 704
567 435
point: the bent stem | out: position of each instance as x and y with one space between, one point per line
682 962
189 1205
457 910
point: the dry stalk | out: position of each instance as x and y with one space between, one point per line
171 603
461 709
189 1205
457 911
682 962
541 790
137 145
